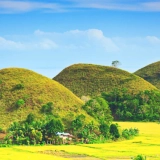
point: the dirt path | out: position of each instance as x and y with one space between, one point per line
70 156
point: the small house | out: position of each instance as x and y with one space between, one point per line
65 136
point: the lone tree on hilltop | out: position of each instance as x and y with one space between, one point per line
115 63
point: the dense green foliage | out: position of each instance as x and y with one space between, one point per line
140 157
23 91
33 131
19 103
99 109
104 129
18 86
151 73
44 131
129 133
1 130
47 108
144 105
114 131
92 80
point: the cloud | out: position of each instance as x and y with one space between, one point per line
125 5
48 44
10 6
44 44
99 38
91 39
76 46
151 6
17 6
77 41
153 40
8 44
83 39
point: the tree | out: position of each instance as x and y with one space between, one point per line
19 103
104 128
114 131
78 123
54 126
47 108
115 63
99 109
30 118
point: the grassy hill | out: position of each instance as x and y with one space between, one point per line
89 79
29 91
151 73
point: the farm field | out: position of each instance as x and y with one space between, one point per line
147 143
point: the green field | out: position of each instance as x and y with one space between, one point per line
147 143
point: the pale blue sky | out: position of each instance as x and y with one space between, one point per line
47 36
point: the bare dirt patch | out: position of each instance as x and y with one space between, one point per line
69 155
2 135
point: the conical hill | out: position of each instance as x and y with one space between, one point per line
92 80
151 73
23 91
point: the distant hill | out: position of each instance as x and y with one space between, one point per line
151 73
29 90
90 79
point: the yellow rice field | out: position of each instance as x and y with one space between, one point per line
147 143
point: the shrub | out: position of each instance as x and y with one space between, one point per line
30 118
1 130
18 86
140 157
114 131
19 103
128 133
47 108
104 129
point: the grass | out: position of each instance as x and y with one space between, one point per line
36 90
147 143
151 73
17 154
92 80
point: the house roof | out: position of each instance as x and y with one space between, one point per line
63 133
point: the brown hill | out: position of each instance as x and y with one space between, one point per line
29 91
92 80
151 73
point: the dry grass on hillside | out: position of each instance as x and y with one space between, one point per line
151 73
33 90
92 80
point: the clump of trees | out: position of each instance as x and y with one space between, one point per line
143 106
99 109
32 131
130 133
119 104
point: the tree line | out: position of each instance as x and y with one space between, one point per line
125 106
119 105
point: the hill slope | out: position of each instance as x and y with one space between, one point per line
151 73
30 91
89 79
